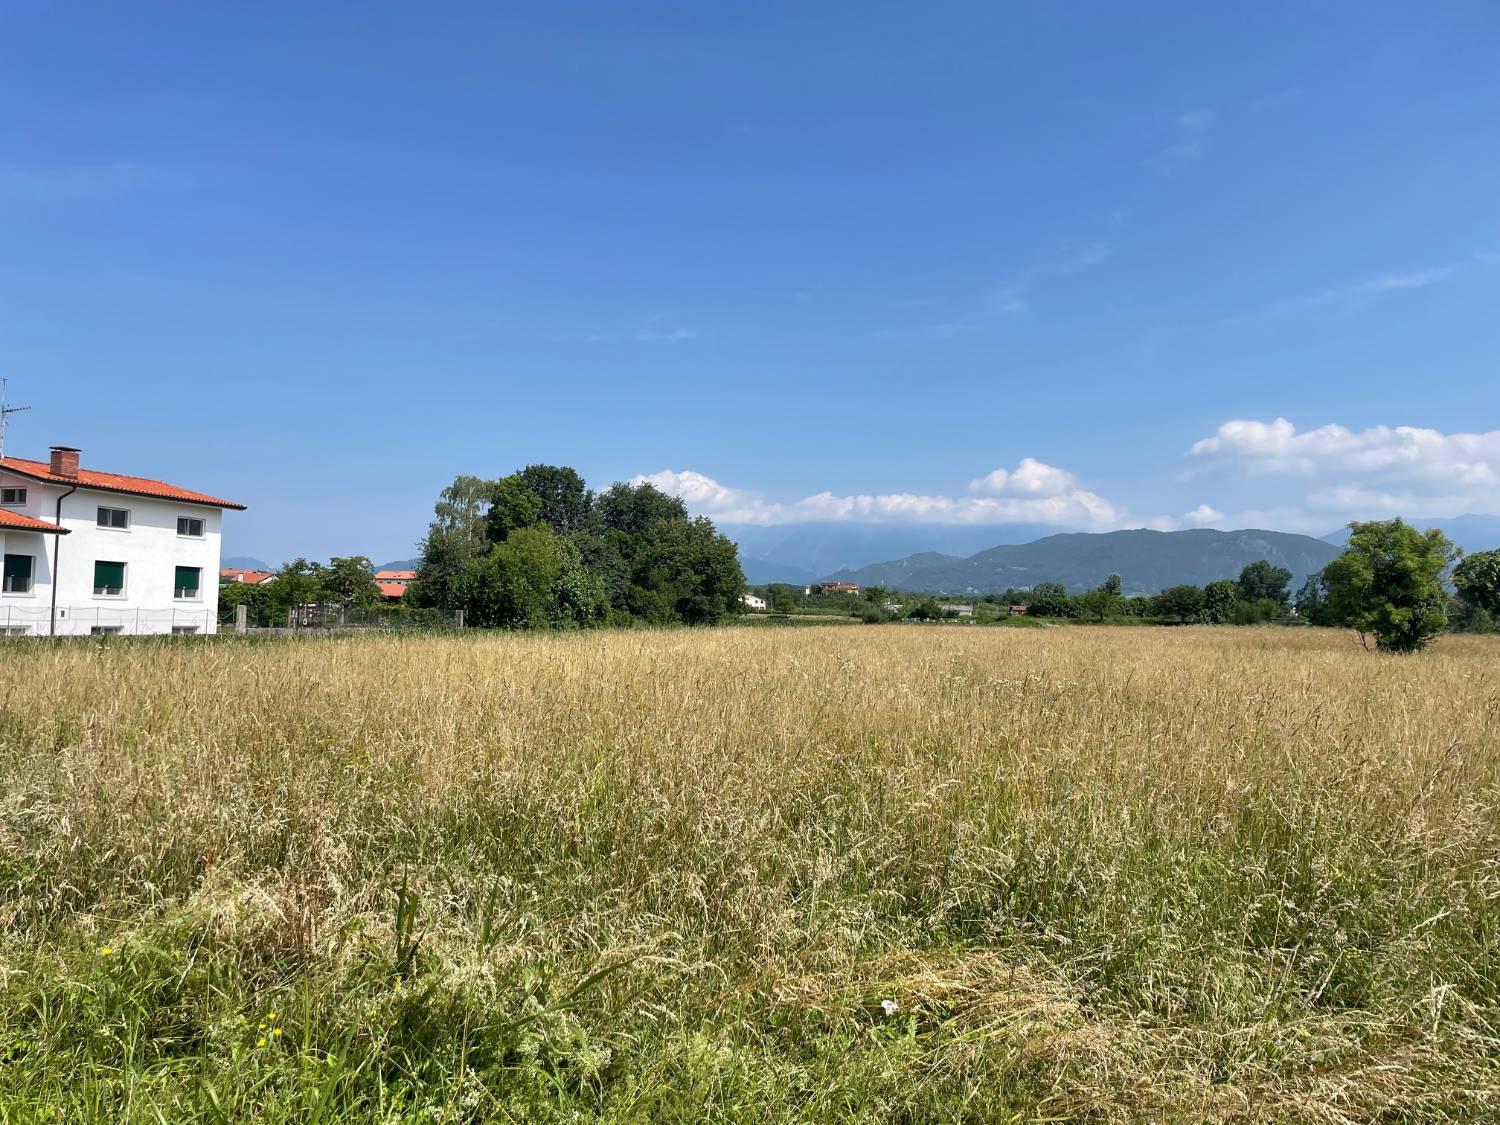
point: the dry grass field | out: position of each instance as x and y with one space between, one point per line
893 873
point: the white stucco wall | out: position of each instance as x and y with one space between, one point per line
151 551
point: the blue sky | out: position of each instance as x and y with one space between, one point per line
978 263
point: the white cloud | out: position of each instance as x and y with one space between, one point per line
1203 516
1401 452
1407 469
1371 289
1030 478
708 497
1033 493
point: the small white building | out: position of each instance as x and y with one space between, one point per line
753 601
93 552
958 609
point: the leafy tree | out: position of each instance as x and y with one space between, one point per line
1478 581
1182 603
1389 584
515 507
1050 599
455 538
635 508
255 596
1262 580
1101 602
298 583
350 582
461 510
567 503
535 579
1312 600
1220 600
923 609
781 598
687 572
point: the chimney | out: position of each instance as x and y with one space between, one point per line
65 461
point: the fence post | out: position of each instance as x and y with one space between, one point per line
241 619
458 619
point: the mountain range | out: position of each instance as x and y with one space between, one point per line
808 552
1147 561
1472 533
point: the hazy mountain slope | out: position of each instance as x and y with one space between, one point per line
819 549
1147 561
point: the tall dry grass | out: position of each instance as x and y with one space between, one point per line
894 873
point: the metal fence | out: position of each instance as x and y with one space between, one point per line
324 617
18 620
94 620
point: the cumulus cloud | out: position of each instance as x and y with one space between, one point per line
1399 453
1408 469
1031 493
1030 478
1203 516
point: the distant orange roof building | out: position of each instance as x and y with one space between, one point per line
248 577
393 583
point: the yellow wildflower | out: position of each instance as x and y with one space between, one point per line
106 951
261 1042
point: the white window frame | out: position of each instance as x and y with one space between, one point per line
18 497
102 508
106 630
202 527
124 587
15 630
30 591
177 594
186 630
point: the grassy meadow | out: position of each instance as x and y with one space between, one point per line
878 874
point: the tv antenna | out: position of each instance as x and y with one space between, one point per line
6 410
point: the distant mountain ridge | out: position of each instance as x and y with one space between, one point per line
805 552
1147 561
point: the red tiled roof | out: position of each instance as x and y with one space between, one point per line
392 589
395 575
15 521
249 577
113 482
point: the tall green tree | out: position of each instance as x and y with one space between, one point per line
1388 584
535 579
635 508
1050 599
1477 579
1182 603
1261 580
1219 601
566 502
350 582
687 572
514 507
455 538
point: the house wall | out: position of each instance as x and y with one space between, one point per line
151 550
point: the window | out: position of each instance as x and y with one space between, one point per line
16 575
15 630
12 497
109 579
186 584
184 630
116 519
106 630
191 528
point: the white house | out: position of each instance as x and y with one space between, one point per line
753 601
94 552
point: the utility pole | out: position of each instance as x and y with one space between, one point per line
5 412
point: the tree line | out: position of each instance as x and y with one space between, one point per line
539 549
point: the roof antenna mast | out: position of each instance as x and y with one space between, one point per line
6 411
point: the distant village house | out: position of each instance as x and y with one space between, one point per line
393 583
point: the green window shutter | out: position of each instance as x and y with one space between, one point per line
187 580
109 576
